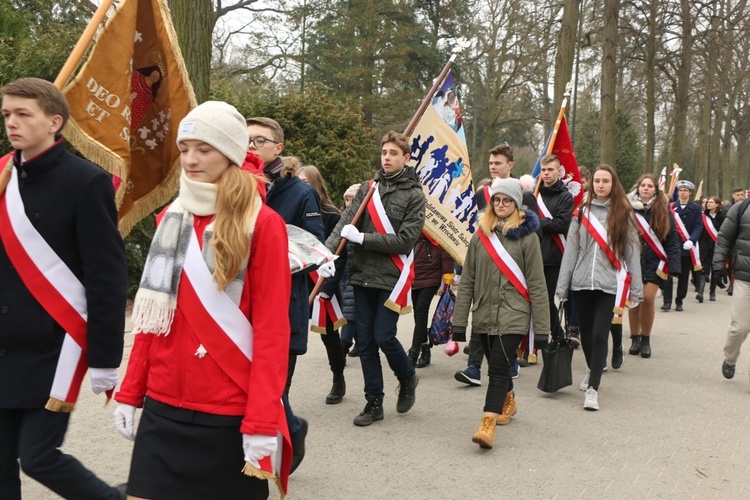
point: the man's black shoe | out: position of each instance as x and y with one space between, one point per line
407 394
373 412
678 307
727 370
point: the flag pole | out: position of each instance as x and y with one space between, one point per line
551 145
80 49
409 129
674 176
699 191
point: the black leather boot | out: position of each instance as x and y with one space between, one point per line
373 412
338 390
424 357
407 393
635 345
700 286
413 354
645 346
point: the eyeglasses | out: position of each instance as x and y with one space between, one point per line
504 201
261 141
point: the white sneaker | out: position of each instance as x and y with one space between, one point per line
591 401
585 382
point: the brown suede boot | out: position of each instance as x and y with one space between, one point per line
486 433
509 409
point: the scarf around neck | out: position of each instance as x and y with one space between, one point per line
156 299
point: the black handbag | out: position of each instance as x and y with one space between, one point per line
557 371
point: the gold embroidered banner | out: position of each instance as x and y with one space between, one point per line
126 103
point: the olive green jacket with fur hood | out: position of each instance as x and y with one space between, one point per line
496 306
404 204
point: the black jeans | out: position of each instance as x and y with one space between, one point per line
595 313
500 351
376 330
421 298
34 436
476 350
684 280
551 274
334 349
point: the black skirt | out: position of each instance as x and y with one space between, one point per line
190 455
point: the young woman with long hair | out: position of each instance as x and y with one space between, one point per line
330 290
209 362
503 286
660 257
602 249
713 215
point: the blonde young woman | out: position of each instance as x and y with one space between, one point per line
209 362
503 286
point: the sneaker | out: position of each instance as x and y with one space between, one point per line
591 401
678 307
470 376
407 393
666 307
727 370
584 385
617 357
373 412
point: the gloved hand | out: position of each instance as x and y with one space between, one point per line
561 300
103 379
124 420
634 304
324 296
458 333
451 348
327 270
688 245
257 446
352 234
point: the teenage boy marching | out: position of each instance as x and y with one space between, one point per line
63 281
382 271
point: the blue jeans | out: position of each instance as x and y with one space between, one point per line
376 330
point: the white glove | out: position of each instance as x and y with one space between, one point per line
124 419
324 296
103 379
634 304
688 245
352 234
257 446
327 270
560 299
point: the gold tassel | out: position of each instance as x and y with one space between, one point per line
617 320
59 406
341 322
698 268
662 274
318 329
252 471
532 359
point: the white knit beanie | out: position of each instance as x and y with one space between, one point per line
509 187
220 125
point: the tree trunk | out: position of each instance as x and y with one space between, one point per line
193 22
651 48
683 81
566 50
608 126
704 130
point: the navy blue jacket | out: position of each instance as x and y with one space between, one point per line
691 217
299 205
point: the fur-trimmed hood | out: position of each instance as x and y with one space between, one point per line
529 225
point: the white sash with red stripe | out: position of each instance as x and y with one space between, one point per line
509 268
212 310
325 310
544 212
400 298
708 225
695 254
54 286
652 241
622 297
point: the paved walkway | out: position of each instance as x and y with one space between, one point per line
669 427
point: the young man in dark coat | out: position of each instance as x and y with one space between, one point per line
691 215
384 237
67 213
299 205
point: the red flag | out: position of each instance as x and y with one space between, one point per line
570 175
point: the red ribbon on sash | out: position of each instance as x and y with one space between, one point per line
695 255
325 310
708 225
54 286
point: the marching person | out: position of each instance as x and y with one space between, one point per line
63 289
329 300
660 257
382 271
503 286
713 217
601 267
689 223
209 362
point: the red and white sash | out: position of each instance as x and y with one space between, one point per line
622 297
54 286
211 310
695 254
325 310
708 225
509 268
486 191
652 240
400 298
544 212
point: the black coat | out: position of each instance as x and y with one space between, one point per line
70 202
737 232
691 217
559 202
672 246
